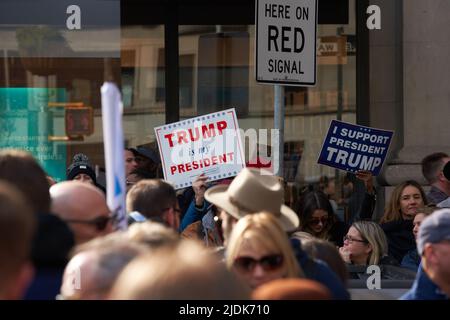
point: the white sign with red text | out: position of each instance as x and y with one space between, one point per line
209 144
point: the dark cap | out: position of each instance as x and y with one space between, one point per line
148 153
434 228
446 170
80 164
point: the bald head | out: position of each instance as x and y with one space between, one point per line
90 274
80 205
79 275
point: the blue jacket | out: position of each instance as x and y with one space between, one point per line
46 284
319 271
423 289
193 214
411 260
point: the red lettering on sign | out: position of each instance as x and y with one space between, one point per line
193 134
196 136
182 137
206 162
169 138
221 125
208 131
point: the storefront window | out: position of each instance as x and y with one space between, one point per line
55 58
216 71
50 86
143 86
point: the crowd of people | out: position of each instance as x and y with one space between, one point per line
232 239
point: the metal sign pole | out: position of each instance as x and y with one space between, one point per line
340 108
278 123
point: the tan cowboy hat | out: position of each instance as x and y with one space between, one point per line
252 192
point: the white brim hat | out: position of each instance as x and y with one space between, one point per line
252 192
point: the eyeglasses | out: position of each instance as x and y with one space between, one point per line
316 221
350 239
100 222
268 263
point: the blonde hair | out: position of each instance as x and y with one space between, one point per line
372 233
264 230
393 209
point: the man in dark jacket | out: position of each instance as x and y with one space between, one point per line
433 243
424 289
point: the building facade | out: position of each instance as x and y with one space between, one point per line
178 59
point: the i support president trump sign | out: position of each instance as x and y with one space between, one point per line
353 147
286 41
208 144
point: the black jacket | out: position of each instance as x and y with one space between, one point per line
367 207
337 233
50 253
400 237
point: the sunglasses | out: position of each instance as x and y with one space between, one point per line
100 222
316 221
268 263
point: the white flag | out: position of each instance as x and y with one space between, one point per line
113 139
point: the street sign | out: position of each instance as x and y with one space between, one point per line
286 42
332 50
79 121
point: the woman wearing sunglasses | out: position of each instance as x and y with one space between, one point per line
317 218
259 251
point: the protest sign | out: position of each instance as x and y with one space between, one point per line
208 144
352 147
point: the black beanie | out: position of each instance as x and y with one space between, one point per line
446 170
80 164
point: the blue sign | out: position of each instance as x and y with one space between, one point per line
352 148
